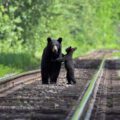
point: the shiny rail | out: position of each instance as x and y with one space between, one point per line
12 83
82 110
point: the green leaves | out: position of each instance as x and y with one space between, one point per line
30 2
12 9
17 20
86 24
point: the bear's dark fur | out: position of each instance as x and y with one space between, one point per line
69 65
49 67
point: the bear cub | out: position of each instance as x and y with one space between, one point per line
69 64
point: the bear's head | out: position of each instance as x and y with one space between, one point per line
70 50
54 45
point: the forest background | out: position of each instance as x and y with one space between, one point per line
25 25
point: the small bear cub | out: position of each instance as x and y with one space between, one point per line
69 64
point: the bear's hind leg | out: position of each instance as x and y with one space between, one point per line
45 77
68 78
53 77
71 78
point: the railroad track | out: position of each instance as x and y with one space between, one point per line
44 102
23 97
12 83
107 106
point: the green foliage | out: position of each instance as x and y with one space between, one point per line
17 62
85 24
7 70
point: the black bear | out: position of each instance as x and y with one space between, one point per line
69 65
49 67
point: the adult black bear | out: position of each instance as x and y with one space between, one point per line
69 65
50 68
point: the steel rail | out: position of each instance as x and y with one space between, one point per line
80 110
12 83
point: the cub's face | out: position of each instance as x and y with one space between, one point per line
54 45
70 49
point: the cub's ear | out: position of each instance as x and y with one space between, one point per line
69 48
59 40
49 39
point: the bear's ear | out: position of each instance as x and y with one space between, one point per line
59 40
69 48
49 39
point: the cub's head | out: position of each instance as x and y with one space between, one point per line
70 50
54 45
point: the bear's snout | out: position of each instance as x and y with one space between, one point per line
55 49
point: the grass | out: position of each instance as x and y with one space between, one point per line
16 63
7 70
